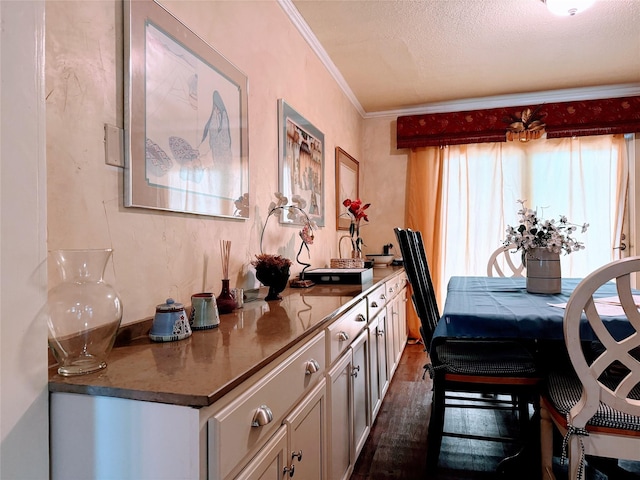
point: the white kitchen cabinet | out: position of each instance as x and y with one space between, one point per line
271 462
241 423
349 412
340 419
360 385
379 375
397 318
298 448
305 413
111 435
307 439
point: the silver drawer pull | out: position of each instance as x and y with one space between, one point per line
391 290
360 318
343 336
291 470
355 370
380 333
374 305
312 366
383 296
262 416
297 455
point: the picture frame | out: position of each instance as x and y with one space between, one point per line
347 186
301 162
186 119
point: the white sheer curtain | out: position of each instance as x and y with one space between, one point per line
582 178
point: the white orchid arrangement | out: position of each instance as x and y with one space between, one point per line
296 213
534 232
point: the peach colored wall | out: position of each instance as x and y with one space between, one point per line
383 172
163 254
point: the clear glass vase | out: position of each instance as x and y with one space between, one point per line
83 312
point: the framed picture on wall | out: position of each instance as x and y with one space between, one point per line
301 162
186 122
347 186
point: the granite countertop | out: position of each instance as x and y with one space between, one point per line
200 369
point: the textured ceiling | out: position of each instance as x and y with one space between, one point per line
401 54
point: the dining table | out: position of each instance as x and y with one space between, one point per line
500 308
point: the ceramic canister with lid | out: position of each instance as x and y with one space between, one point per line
170 322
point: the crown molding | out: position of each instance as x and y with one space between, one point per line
518 100
299 22
481 103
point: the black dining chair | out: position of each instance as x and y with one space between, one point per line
464 366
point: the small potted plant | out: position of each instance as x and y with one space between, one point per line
272 271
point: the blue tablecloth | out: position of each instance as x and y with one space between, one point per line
501 308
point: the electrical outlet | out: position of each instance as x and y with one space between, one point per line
114 145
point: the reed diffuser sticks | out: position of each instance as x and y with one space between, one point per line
225 250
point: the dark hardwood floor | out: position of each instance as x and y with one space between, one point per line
396 447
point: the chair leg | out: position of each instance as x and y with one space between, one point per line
575 455
436 424
523 415
546 444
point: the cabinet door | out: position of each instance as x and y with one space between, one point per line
271 461
307 436
396 306
341 420
382 345
375 400
360 389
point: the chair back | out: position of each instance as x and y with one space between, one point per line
613 377
417 269
506 262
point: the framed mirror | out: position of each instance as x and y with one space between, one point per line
347 186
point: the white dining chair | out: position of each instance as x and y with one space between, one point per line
596 404
506 262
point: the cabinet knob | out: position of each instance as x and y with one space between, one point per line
361 318
374 305
311 367
380 332
391 290
383 296
343 336
355 370
297 455
291 470
262 416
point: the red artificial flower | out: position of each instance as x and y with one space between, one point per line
357 209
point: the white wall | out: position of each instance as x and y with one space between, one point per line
24 428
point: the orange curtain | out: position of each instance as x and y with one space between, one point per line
424 213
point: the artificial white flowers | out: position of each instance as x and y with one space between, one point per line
534 232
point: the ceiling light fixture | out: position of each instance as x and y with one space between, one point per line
567 7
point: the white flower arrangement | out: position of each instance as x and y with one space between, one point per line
534 232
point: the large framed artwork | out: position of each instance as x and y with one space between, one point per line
301 162
347 186
186 122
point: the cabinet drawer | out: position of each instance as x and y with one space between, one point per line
343 331
394 285
230 429
376 300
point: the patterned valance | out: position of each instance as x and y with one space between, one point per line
564 119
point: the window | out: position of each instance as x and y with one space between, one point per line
582 178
